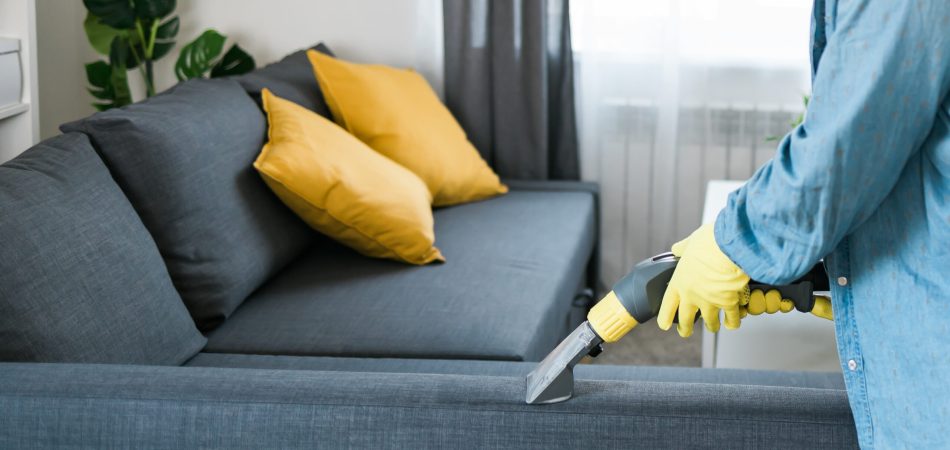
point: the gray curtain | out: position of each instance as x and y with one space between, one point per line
509 81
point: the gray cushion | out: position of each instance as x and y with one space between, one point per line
80 278
184 160
814 380
514 265
291 78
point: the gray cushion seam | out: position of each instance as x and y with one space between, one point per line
426 407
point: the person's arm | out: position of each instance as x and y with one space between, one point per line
876 95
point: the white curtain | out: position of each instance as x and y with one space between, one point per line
672 94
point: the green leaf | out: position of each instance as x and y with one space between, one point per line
235 62
108 83
119 77
99 34
165 38
198 56
99 75
117 14
148 10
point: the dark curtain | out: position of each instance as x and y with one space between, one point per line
509 81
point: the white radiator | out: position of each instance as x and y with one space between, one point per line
653 189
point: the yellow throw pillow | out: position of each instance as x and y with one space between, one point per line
397 113
344 189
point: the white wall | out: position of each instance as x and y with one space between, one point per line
405 33
19 132
63 53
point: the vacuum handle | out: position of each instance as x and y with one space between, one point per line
641 291
801 293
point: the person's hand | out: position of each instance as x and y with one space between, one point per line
772 302
705 280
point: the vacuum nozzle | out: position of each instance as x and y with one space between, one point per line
553 380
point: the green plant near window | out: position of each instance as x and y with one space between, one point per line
133 34
795 123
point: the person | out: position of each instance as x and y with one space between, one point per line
863 183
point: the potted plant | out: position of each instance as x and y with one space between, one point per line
133 34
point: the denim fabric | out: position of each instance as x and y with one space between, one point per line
865 183
105 406
817 380
516 263
81 280
291 78
184 159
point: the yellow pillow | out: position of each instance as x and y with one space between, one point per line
344 189
396 113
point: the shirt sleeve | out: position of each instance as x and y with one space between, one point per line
876 95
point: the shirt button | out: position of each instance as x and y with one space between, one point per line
842 281
852 365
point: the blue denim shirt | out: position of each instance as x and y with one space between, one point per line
864 182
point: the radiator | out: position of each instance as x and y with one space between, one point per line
653 188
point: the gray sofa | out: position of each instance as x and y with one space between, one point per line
155 294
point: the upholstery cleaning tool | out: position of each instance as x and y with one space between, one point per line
635 299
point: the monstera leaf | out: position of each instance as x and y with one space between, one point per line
235 62
198 56
99 34
203 55
122 14
165 38
108 81
153 9
118 14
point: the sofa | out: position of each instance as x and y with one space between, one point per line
155 294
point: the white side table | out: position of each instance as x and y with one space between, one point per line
792 341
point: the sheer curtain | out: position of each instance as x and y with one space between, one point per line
672 94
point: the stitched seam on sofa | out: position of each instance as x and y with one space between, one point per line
539 411
353 227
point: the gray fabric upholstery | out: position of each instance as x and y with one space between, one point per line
816 380
80 278
509 81
291 78
515 263
184 160
110 406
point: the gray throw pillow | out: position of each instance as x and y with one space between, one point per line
183 158
291 78
80 278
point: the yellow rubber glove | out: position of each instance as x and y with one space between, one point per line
772 302
705 280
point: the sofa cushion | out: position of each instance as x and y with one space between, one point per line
80 278
514 266
397 113
344 189
290 78
184 160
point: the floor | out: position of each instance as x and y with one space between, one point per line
648 345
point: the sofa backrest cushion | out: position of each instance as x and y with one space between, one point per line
81 279
290 78
184 158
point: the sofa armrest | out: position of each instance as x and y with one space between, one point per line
98 406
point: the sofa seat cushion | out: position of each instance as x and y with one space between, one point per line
515 263
813 380
81 280
184 160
